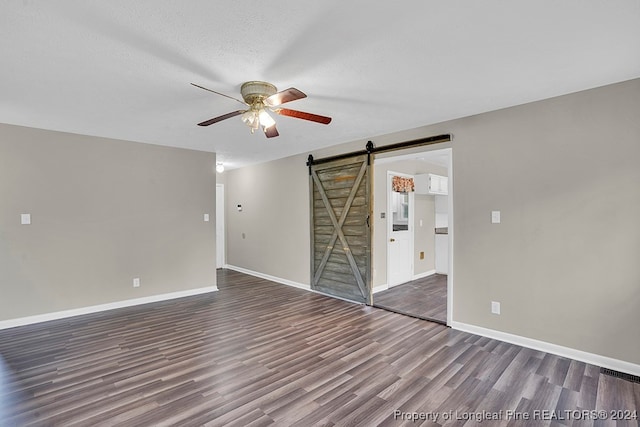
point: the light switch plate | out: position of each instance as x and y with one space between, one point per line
495 307
25 219
206 217
495 217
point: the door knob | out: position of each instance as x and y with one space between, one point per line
392 240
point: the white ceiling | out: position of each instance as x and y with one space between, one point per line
122 68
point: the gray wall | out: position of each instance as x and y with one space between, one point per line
271 234
103 212
564 262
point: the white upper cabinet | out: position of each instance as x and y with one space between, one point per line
429 183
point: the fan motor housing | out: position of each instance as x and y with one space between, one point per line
256 91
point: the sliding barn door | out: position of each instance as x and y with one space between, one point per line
340 233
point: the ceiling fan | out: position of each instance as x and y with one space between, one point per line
262 97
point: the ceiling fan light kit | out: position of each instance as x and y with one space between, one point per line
256 92
261 97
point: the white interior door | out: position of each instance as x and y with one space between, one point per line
220 241
399 234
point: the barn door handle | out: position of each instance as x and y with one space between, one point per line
368 221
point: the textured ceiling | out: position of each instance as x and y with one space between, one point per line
121 69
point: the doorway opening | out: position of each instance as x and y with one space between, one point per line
412 235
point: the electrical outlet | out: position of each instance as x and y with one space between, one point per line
136 282
495 307
495 217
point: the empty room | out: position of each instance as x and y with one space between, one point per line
319 213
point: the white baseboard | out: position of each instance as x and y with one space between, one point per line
423 275
11 323
268 277
579 355
385 286
380 288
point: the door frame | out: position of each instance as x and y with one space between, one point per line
450 191
451 183
411 228
221 241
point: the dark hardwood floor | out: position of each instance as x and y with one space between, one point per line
258 353
425 298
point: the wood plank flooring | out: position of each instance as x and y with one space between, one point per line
425 298
258 353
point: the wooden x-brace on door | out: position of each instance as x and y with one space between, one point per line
340 232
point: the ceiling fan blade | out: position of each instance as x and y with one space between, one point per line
284 96
271 131
221 118
302 115
221 94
